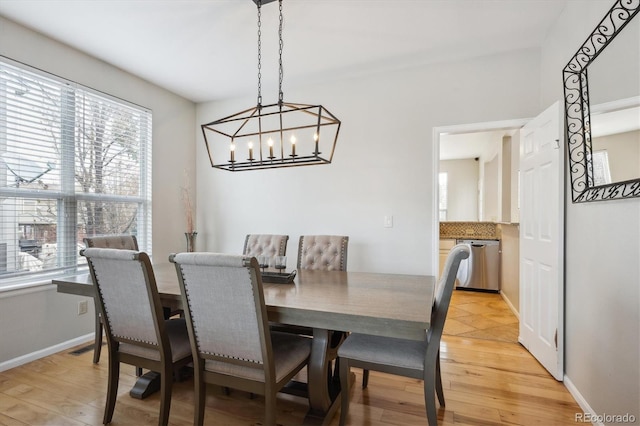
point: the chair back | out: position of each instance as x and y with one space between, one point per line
128 296
224 306
444 290
265 244
323 252
122 242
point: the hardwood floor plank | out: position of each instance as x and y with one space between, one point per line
83 394
32 414
8 421
553 412
517 418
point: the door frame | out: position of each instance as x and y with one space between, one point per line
456 129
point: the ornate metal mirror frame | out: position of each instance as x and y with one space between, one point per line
578 119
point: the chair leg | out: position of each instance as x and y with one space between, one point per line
430 395
166 386
199 397
112 387
365 378
439 390
97 346
344 390
270 407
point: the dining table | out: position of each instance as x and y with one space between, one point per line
382 304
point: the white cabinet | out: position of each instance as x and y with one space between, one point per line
445 246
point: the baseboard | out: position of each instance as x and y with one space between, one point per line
508 302
24 359
584 405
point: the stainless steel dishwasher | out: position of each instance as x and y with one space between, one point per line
481 271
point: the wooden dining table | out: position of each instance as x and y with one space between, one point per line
392 305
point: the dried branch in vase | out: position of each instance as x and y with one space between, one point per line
186 200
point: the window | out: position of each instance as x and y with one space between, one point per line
601 171
73 163
442 195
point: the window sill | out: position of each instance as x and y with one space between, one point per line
42 283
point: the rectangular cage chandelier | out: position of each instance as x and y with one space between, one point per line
283 134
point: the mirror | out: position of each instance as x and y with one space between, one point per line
604 164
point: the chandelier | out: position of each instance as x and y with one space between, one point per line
283 134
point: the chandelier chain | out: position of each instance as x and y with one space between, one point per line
259 52
281 73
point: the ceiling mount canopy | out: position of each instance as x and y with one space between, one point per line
282 134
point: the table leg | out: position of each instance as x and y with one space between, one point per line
319 397
146 385
149 383
323 391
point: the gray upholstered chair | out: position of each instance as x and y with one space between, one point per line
136 331
231 341
265 244
409 358
324 252
121 242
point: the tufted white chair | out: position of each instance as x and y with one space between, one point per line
265 244
328 253
137 333
324 252
231 341
408 358
120 242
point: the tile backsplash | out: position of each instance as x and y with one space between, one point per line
469 230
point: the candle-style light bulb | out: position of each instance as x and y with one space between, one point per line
293 145
232 149
270 143
315 139
250 150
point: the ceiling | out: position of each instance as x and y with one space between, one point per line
205 50
472 145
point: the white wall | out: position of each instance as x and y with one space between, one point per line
602 290
31 321
462 189
491 200
383 162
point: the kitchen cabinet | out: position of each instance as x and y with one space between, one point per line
445 246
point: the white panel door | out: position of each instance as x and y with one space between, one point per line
542 240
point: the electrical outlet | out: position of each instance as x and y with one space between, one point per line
388 221
83 307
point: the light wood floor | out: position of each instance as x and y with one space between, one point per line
481 315
486 382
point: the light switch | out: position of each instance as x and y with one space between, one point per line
388 221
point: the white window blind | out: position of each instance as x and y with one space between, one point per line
73 163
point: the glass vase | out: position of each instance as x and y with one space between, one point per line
191 240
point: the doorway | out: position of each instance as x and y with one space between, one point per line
464 147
